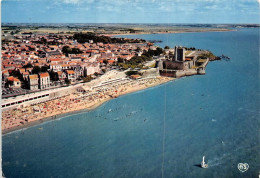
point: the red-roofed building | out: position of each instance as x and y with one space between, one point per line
14 82
33 82
110 61
44 80
22 70
62 76
71 75
65 66
56 67
55 60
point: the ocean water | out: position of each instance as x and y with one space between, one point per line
216 115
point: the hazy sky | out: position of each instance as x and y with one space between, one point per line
131 11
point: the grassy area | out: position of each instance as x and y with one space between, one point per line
195 67
128 65
202 60
209 55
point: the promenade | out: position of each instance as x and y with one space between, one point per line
87 98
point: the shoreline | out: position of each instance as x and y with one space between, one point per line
77 110
172 32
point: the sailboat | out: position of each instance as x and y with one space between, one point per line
203 164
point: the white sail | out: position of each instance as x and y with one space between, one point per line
203 164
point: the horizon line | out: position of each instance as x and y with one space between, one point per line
184 23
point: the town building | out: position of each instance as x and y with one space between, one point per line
33 81
71 75
44 80
62 76
14 82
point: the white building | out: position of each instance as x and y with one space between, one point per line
16 83
33 82
91 68
44 80
71 75
56 67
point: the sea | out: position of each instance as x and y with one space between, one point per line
162 131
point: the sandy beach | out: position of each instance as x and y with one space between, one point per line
28 115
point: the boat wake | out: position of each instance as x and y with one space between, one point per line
218 160
226 156
213 163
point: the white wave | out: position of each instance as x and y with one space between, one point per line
221 159
133 112
218 160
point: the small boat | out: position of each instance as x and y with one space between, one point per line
203 164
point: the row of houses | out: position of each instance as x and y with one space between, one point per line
42 81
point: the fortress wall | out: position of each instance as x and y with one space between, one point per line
178 73
182 73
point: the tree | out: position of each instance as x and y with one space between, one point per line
158 51
76 51
29 65
87 79
105 61
36 70
130 72
8 83
67 50
67 81
26 84
17 74
166 47
54 75
44 68
138 49
120 60
86 37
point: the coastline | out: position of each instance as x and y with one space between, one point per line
171 32
78 109
36 114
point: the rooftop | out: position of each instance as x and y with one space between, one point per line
46 74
